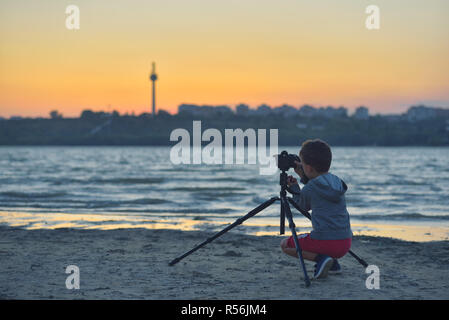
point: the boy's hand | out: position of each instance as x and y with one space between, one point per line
291 180
299 170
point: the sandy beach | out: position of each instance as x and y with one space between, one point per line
133 264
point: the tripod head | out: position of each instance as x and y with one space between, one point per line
283 180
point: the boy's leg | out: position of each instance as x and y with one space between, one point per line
323 262
292 251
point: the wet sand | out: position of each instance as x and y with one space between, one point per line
133 264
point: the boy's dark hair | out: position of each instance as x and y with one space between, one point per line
317 153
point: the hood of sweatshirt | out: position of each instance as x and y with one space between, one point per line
329 187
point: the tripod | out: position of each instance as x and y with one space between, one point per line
285 214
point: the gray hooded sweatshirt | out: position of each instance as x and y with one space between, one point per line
325 195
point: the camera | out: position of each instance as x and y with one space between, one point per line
287 161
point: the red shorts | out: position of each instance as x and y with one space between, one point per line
332 248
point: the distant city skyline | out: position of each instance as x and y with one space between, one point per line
413 113
174 111
221 53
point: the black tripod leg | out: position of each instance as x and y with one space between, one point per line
360 260
292 227
307 215
282 222
304 213
236 223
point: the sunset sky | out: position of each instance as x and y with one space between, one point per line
221 52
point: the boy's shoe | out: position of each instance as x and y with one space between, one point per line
322 267
336 268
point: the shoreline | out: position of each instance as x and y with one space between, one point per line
133 264
266 226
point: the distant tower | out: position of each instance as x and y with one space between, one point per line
153 78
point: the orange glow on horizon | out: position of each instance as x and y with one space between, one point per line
221 53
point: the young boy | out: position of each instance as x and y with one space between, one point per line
331 236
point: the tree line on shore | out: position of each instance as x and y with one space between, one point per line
101 128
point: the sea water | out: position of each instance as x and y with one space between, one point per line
401 192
